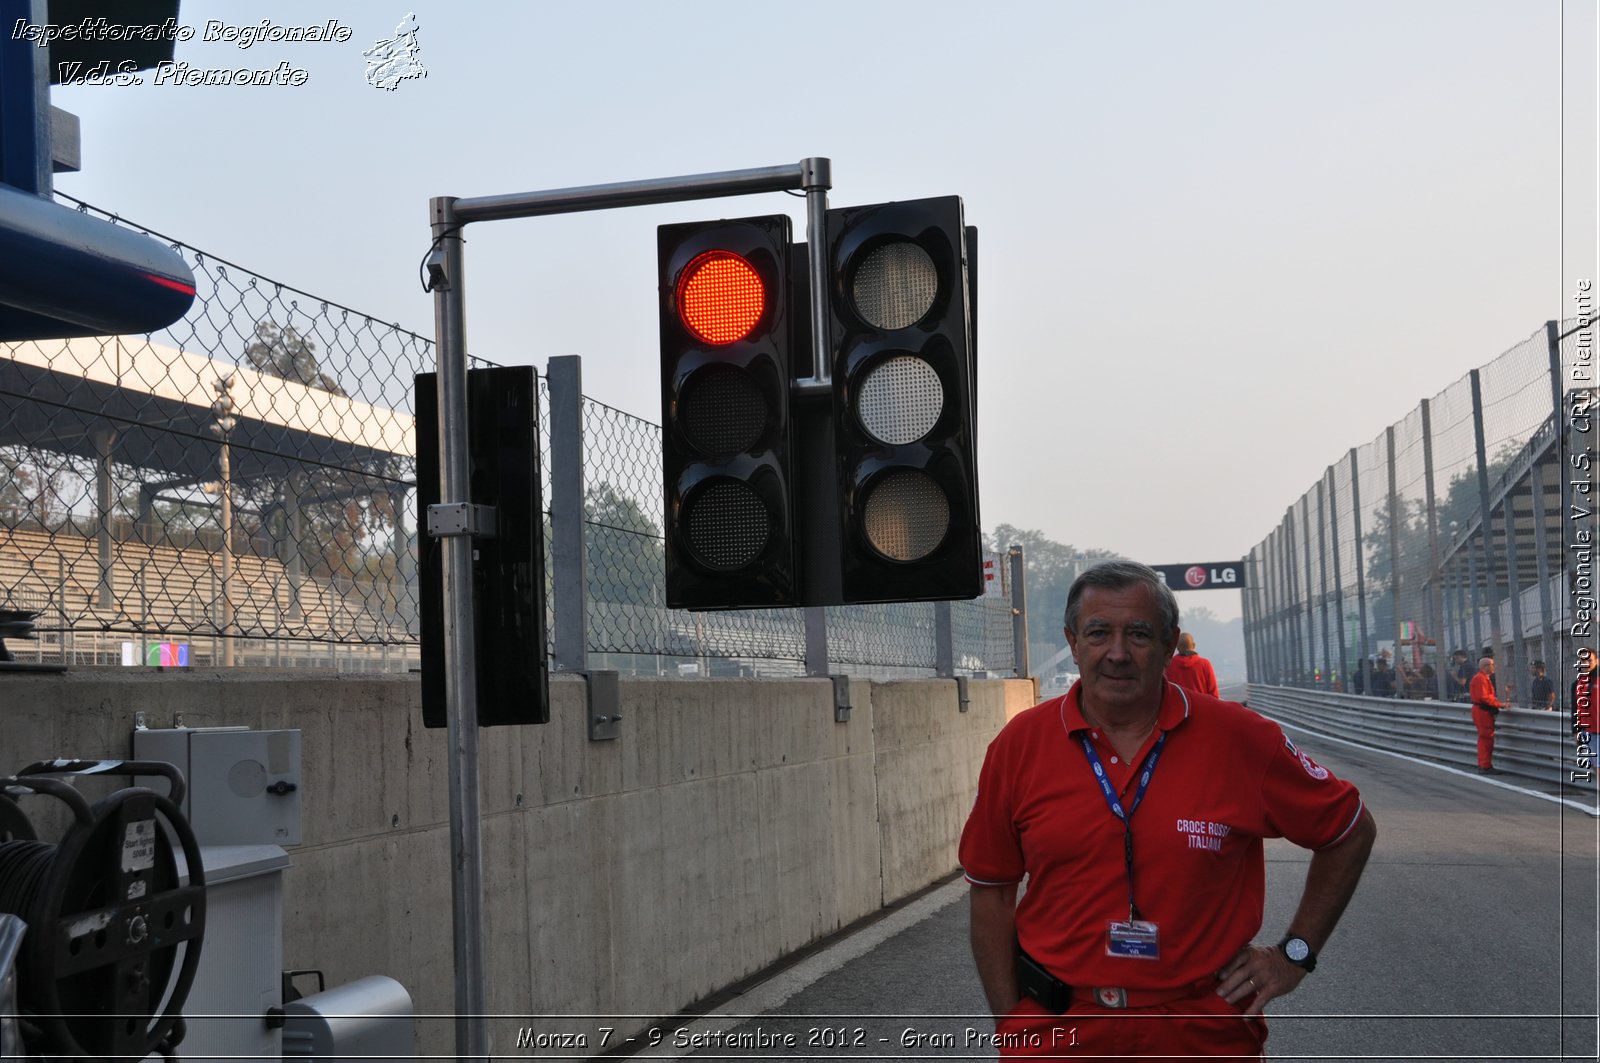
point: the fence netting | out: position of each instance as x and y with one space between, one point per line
239 489
1440 541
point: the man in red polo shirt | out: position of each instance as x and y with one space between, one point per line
1136 811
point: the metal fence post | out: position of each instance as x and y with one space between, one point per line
1477 600
816 625
1486 514
1322 575
569 556
1291 586
1287 673
1396 516
1311 615
1274 613
1019 615
105 491
1548 641
1435 590
68 643
1338 578
1247 599
944 649
1514 650
1365 660
295 521
1557 640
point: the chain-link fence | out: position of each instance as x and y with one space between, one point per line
1464 529
239 489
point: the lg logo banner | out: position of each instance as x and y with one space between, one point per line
1215 575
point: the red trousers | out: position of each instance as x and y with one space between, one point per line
1204 1025
1484 721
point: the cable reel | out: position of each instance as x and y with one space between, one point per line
113 936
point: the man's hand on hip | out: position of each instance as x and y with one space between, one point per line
1261 970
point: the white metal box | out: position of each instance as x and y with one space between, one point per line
240 976
243 785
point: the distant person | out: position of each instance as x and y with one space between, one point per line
1430 681
1188 669
1485 707
1460 677
1541 689
1488 651
1382 679
1411 682
1585 691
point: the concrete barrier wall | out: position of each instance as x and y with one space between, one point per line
732 823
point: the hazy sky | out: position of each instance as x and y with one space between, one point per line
1222 242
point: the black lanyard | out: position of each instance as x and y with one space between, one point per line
1115 804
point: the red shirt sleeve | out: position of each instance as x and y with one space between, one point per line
1209 680
1305 802
991 851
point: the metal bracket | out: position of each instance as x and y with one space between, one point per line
603 706
841 698
963 701
461 518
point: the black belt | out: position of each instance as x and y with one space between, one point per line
1056 996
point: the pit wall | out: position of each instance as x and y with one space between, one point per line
732 823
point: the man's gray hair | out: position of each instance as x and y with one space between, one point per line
1115 576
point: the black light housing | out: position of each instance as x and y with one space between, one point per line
903 388
725 375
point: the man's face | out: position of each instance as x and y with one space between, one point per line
1487 667
1586 660
1121 649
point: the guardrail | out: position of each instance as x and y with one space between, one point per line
1533 745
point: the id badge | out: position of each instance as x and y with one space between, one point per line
1133 939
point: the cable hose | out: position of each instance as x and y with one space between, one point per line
23 867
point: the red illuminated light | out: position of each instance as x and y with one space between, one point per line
720 297
167 282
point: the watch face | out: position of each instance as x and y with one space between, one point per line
1296 949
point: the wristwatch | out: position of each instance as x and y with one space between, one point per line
1299 953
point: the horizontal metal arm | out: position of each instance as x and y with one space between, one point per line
639 193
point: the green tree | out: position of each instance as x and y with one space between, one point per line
627 559
1461 501
1409 556
342 512
1049 567
281 351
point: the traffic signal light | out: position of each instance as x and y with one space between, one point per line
725 376
903 401
508 570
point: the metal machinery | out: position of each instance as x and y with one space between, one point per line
100 933
244 805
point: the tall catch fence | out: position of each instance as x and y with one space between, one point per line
1466 527
239 489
